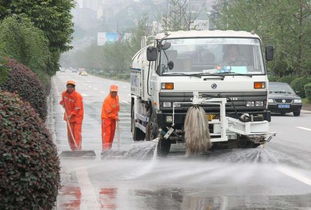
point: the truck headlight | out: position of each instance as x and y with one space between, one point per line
250 103
169 119
167 104
270 100
258 103
297 101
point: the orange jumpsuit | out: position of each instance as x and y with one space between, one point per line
109 117
73 104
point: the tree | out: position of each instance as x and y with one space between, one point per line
181 15
114 57
53 17
284 23
21 40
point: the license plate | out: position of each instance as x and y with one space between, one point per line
284 106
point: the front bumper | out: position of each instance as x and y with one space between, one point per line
163 118
284 108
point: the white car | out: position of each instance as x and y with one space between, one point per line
83 73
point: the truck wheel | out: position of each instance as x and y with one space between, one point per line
152 128
164 146
138 135
268 116
297 113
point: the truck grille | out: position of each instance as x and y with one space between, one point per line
236 100
283 100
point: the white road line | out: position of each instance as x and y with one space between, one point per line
294 175
89 196
303 128
126 102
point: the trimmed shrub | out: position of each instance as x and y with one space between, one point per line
307 88
24 82
29 165
298 85
3 70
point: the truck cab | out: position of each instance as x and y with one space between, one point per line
214 64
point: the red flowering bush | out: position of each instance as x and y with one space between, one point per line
29 165
26 84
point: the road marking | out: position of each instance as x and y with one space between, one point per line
126 102
303 128
294 175
89 196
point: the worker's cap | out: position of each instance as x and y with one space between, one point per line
114 88
71 82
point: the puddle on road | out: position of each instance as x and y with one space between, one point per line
134 178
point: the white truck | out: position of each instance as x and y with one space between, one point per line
223 71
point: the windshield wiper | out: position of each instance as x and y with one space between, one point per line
233 74
180 74
223 74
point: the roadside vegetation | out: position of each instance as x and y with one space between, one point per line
111 60
284 24
33 34
29 165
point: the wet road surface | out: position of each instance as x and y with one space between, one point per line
276 176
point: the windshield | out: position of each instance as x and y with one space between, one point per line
211 55
279 88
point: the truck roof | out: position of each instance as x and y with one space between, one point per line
207 33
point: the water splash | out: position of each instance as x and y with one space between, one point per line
149 166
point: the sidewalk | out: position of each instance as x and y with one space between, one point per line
306 107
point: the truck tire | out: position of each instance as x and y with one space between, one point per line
152 131
268 116
138 135
164 146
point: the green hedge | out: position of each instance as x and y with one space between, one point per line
298 85
307 88
23 81
4 70
21 40
29 165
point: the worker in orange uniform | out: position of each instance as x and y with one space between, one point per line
72 101
109 117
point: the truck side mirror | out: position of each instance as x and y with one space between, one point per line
269 53
152 53
170 65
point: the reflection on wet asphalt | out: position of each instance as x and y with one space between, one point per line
132 177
